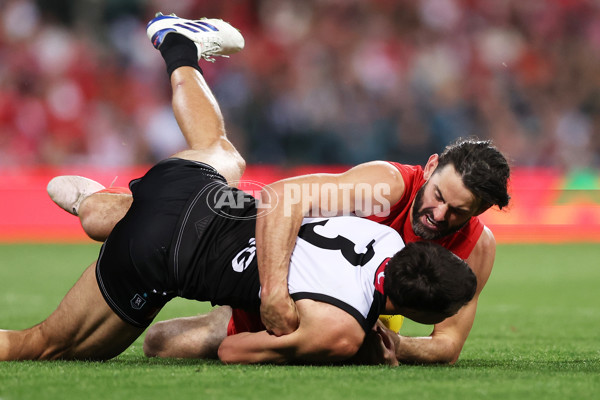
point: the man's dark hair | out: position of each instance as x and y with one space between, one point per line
484 170
425 276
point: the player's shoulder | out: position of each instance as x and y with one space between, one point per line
389 167
381 168
378 173
486 241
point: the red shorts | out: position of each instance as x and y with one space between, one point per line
244 321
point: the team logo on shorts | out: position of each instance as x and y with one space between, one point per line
137 302
228 201
243 259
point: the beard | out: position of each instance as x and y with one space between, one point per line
423 231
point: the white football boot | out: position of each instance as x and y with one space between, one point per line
213 37
68 191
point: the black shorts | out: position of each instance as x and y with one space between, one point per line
133 267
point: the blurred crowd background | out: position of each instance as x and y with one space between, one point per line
320 81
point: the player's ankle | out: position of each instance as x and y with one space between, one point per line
179 51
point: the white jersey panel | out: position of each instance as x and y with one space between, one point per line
335 260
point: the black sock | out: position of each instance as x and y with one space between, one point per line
179 51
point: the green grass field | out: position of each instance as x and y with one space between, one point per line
536 336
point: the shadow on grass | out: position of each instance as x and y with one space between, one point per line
575 365
584 365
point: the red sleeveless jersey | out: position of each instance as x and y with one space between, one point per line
460 243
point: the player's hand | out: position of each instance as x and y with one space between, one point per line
279 314
378 348
386 347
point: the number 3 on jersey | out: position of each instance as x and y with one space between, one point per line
341 243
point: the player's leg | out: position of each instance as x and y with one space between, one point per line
82 327
201 122
97 207
100 212
182 43
188 337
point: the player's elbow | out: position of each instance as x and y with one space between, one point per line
228 355
230 352
436 349
446 357
449 351
345 348
339 348
340 341
453 354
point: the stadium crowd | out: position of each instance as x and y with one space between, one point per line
320 81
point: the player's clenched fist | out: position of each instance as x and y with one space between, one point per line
279 314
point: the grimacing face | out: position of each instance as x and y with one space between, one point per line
443 205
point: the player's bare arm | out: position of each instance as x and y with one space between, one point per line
448 337
325 334
276 232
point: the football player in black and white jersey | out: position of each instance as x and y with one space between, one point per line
176 240
344 273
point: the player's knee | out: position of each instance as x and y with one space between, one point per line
94 229
50 345
155 340
241 163
93 224
232 165
163 341
196 337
